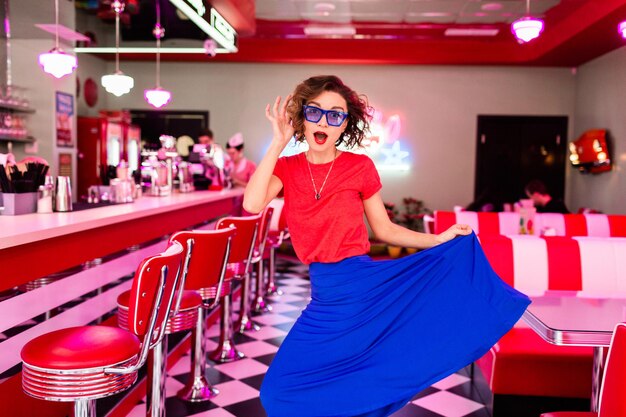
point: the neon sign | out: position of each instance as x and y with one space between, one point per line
383 145
216 27
221 25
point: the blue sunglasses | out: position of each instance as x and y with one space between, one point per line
333 117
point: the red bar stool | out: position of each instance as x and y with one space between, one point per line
260 305
241 250
277 235
199 273
82 364
206 272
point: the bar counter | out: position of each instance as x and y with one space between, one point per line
36 245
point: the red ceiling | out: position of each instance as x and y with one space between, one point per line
576 32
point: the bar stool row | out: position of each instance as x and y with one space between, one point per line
171 292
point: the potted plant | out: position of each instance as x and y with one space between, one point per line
392 212
413 216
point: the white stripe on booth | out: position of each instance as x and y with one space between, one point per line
619 246
530 264
470 218
554 221
598 225
509 223
598 266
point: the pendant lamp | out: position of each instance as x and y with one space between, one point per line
158 97
527 28
117 83
621 28
57 62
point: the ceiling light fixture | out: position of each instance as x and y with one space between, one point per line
527 28
329 31
621 28
158 97
57 62
117 83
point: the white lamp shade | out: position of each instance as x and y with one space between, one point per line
527 28
58 63
157 97
117 84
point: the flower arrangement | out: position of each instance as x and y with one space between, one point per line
392 211
413 215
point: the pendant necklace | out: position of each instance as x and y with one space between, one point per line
318 194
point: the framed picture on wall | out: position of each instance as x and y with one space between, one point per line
64 117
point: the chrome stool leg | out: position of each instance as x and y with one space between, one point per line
245 323
155 395
198 388
260 304
272 289
226 350
85 408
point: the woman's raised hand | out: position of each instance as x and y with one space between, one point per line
454 231
281 123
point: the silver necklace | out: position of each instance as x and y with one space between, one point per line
318 194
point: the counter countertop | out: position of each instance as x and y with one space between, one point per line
27 228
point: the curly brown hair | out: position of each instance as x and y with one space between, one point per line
359 111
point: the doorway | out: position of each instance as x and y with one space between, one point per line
154 123
513 150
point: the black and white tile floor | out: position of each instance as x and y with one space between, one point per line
239 382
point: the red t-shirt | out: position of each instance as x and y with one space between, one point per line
332 228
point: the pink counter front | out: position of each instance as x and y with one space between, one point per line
36 245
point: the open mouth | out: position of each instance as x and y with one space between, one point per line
320 137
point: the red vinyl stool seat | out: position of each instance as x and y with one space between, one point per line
86 347
185 319
81 364
65 349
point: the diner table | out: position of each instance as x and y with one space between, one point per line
571 318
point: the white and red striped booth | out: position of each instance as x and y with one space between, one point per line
521 363
507 223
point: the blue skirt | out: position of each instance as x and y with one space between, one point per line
378 332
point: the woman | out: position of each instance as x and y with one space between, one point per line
241 167
375 332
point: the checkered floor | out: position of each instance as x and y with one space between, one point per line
239 382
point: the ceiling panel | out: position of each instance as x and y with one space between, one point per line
412 32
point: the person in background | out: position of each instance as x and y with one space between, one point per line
241 168
544 203
375 333
485 202
206 137
213 158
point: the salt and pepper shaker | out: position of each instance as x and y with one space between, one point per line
44 196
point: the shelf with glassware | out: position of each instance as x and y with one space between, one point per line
14 110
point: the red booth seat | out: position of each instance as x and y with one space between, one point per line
598 225
521 363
